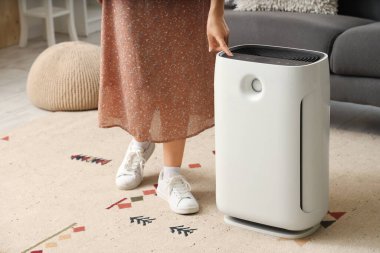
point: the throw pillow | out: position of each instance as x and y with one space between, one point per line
310 6
229 4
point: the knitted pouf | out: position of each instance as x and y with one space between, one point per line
65 77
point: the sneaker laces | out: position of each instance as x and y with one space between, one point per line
135 160
180 185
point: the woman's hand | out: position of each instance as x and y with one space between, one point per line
217 29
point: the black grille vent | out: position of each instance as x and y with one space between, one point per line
279 53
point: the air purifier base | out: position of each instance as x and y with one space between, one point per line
269 230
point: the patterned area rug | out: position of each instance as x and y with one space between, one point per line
58 195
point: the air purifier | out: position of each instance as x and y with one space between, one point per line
272 117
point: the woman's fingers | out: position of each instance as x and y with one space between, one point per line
217 34
218 44
224 46
211 44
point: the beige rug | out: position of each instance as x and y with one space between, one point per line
52 200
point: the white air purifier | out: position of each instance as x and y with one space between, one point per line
272 118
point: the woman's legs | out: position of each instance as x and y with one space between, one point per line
172 186
130 173
173 152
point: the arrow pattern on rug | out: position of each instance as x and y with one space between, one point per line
116 203
53 244
336 215
122 205
149 192
329 219
182 228
6 138
327 223
142 219
64 237
137 198
194 165
79 229
90 159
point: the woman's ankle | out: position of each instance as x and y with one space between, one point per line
141 144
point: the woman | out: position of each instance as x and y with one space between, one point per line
156 83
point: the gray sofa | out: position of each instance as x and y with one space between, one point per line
351 39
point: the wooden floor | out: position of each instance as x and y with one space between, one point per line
15 62
16 109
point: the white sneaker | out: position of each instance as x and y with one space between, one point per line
176 190
131 171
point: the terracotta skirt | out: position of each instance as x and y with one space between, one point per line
157 76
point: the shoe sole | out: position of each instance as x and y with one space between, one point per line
177 210
148 154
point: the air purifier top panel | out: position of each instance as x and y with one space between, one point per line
273 55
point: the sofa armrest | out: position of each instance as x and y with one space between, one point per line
356 52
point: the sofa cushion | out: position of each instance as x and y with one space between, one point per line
357 52
300 30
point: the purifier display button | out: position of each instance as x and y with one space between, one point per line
256 85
